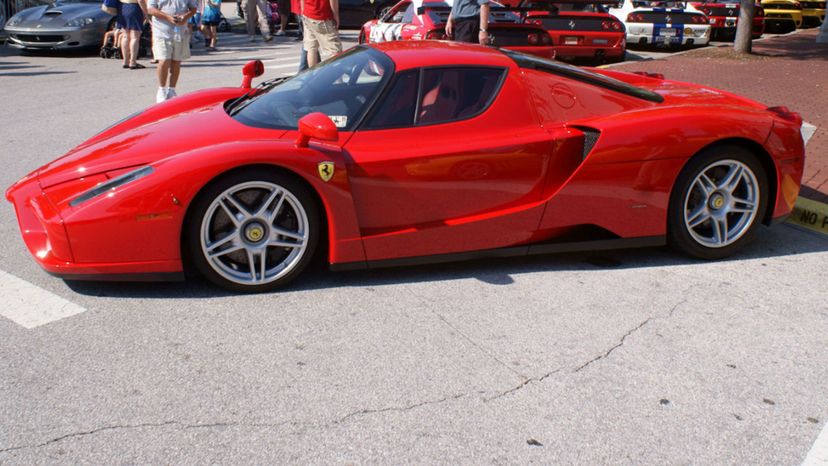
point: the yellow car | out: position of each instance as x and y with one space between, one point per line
782 15
813 12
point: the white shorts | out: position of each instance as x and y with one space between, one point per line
168 49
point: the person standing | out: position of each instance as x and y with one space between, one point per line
170 41
209 22
469 21
320 20
251 17
133 13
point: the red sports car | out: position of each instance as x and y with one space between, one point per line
579 30
409 152
724 16
409 21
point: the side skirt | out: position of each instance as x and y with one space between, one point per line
517 251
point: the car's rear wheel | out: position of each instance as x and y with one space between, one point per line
717 203
253 231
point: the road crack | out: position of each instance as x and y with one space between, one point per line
364 412
601 356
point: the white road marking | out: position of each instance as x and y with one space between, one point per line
807 130
31 306
286 65
818 456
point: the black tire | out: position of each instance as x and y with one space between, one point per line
689 199
224 25
221 270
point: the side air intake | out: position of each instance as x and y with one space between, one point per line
590 138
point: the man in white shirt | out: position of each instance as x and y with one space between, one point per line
170 41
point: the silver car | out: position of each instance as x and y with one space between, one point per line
65 24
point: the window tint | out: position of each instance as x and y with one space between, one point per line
455 93
397 107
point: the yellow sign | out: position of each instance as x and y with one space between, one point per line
326 170
810 214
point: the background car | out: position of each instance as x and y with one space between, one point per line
724 16
782 16
813 12
662 23
411 152
408 21
65 24
579 30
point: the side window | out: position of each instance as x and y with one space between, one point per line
408 17
455 93
398 106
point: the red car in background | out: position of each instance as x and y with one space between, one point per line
407 21
579 29
724 17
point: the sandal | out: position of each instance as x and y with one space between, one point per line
137 66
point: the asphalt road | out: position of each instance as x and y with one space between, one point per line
636 357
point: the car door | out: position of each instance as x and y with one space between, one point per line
451 159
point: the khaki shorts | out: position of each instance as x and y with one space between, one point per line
168 49
321 36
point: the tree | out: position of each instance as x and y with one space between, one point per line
744 28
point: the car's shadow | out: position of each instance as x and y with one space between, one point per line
782 240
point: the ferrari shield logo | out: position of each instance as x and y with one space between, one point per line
326 170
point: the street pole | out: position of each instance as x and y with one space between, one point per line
822 37
744 28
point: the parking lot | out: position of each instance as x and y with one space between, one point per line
636 356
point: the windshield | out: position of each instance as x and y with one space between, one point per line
343 87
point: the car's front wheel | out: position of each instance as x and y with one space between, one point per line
253 231
717 202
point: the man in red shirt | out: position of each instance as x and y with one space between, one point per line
320 19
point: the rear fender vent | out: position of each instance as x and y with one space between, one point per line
590 138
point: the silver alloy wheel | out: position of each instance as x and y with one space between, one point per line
722 203
254 233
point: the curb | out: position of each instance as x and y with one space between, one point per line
811 215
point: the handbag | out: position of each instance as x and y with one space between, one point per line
111 7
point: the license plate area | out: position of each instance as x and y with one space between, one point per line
571 40
667 32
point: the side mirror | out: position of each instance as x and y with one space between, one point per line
253 69
316 125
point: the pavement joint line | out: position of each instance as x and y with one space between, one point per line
31 306
818 455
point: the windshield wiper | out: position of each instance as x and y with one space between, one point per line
260 89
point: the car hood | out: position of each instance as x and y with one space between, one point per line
56 15
150 141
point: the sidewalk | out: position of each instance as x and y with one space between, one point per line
787 70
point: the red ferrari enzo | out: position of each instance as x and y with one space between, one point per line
409 152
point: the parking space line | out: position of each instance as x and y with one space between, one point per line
818 456
31 306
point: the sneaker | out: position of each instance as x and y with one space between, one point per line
279 33
161 95
268 38
171 93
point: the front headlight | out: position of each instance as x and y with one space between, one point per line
15 20
112 184
80 22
